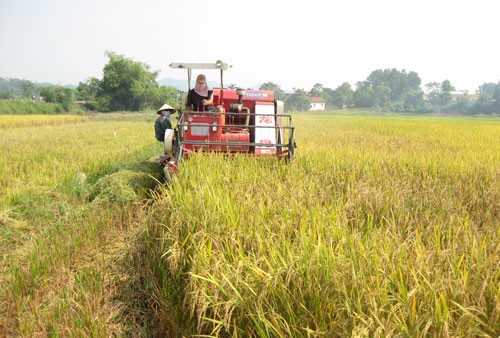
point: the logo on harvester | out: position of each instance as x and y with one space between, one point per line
256 94
264 119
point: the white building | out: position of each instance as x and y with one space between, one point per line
317 103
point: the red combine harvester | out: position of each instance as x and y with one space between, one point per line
249 122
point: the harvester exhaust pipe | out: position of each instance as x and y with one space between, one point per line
238 107
240 92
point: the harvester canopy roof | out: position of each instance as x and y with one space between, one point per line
188 65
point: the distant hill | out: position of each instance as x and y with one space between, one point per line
14 86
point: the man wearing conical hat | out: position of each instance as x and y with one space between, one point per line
163 123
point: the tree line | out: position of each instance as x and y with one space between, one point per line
128 85
396 91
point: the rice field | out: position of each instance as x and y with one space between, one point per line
382 227
58 245
10 121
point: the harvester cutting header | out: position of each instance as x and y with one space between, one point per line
236 121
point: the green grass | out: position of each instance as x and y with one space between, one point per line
26 107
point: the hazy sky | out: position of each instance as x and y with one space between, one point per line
289 42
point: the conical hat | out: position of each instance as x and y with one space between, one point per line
166 107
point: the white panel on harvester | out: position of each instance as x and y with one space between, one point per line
264 134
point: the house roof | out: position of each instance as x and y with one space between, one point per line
316 99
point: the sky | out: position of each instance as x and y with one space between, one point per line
292 43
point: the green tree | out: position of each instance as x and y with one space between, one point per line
343 96
364 96
87 92
13 86
64 97
58 94
167 94
487 91
298 101
126 85
5 94
278 93
496 96
329 96
317 90
389 89
439 93
489 100
446 89
27 88
433 90
496 93
48 93
382 96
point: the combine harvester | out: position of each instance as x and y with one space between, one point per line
249 122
